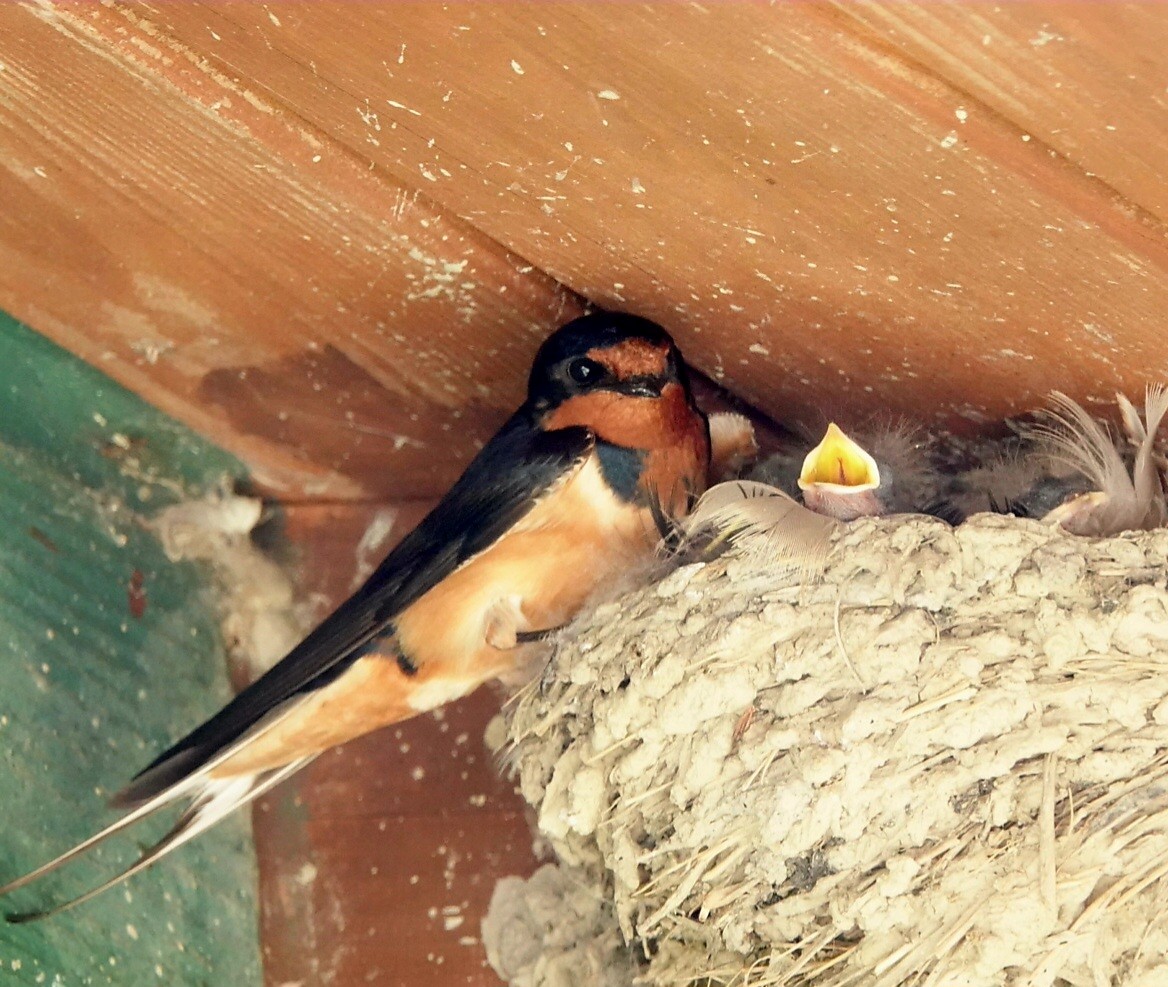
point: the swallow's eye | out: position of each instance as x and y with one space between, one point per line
585 371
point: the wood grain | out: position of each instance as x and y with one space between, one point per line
829 217
1085 80
331 234
242 273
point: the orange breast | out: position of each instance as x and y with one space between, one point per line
579 538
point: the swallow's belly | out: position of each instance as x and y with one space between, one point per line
579 541
576 542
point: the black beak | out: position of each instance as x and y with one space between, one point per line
643 387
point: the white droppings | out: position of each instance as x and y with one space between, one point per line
1045 37
402 106
608 94
516 67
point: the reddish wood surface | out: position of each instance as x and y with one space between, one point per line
331 234
243 272
378 861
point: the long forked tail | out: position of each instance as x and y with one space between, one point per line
212 800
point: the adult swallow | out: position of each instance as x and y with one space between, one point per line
572 491
884 470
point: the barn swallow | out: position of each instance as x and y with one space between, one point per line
888 472
566 497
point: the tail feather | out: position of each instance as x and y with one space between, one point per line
216 799
187 774
140 812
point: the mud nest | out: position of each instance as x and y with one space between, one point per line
941 761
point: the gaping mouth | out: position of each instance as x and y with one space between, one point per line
839 464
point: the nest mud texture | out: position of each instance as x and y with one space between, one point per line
942 761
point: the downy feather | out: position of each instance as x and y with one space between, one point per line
774 527
1121 498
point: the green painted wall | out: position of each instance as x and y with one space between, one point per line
89 692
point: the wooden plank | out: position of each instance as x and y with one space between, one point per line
1087 81
819 219
244 274
377 863
107 650
798 195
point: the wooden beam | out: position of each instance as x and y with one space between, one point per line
330 234
244 274
827 215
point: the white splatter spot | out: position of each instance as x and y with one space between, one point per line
1045 37
949 139
401 106
516 67
638 188
608 94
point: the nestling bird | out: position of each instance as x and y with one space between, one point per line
561 502
1074 473
885 471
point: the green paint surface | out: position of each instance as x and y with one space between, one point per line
89 692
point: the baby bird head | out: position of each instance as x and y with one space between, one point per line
840 478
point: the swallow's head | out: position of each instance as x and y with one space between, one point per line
605 353
622 377
840 478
